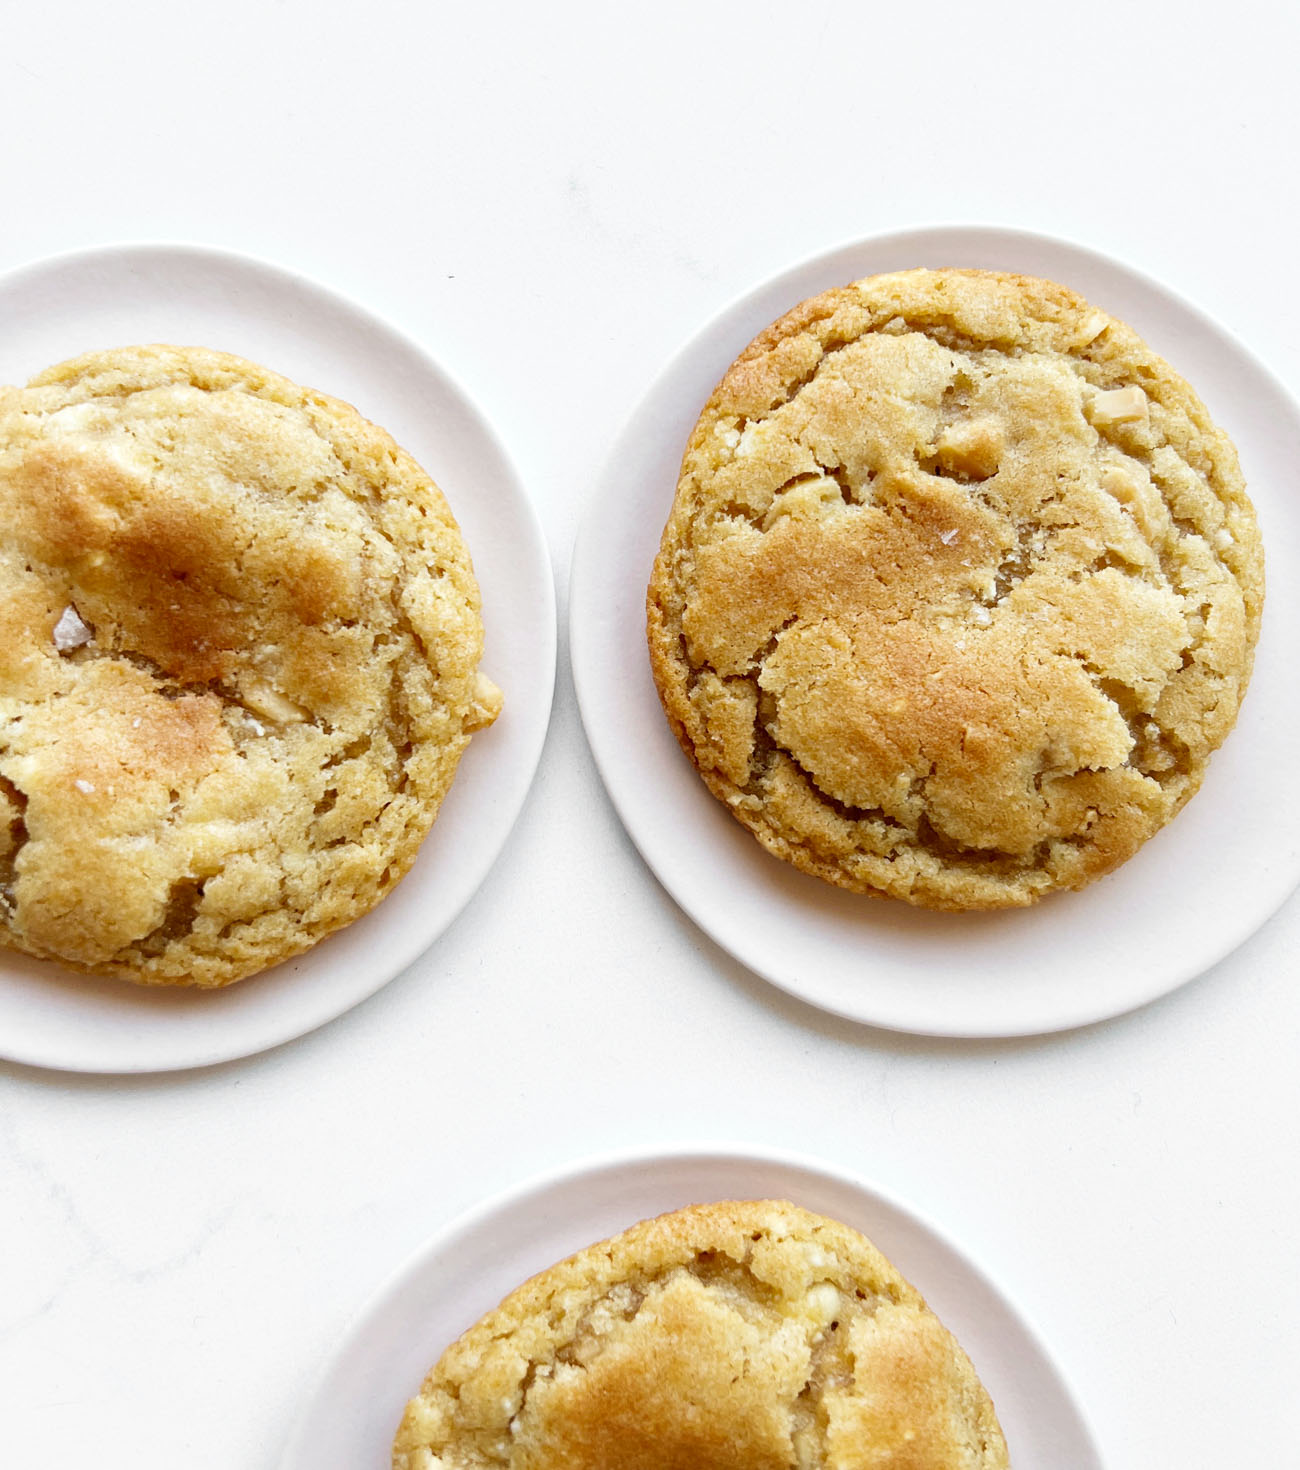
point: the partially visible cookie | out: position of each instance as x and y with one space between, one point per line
959 592
239 638
734 1336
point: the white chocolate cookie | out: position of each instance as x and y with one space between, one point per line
239 637
959 592
734 1336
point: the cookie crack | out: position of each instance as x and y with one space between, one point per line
1015 566
1157 752
791 390
712 1268
986 859
809 1416
767 750
184 900
170 687
1180 528
15 839
837 473
842 809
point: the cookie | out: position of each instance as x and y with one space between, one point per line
959 592
239 638
753 1335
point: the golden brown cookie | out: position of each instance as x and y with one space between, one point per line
959 592
239 634
751 1335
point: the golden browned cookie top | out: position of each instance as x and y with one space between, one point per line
750 1335
959 591
239 635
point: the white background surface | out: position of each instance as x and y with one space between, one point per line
553 199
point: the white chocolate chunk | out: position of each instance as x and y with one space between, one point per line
486 706
272 704
1118 406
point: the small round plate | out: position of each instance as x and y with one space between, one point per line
60 308
1189 897
353 1415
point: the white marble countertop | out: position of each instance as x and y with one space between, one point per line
552 199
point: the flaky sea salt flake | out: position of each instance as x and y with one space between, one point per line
71 631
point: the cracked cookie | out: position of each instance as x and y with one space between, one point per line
959 592
239 640
750 1334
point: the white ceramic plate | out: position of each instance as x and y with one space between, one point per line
350 1421
1190 896
106 298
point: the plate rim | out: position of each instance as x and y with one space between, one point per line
191 1054
969 237
576 1171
